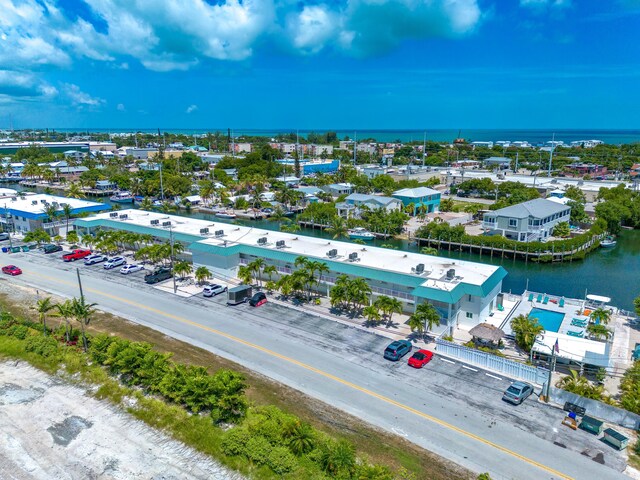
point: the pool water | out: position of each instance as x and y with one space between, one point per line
549 320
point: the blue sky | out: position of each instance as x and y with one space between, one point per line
361 64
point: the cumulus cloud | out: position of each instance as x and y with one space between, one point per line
79 98
24 85
191 108
545 3
167 35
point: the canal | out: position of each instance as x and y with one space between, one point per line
612 272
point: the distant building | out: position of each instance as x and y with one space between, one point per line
482 144
373 171
586 168
337 189
140 153
587 143
75 154
419 197
354 203
501 162
527 222
309 167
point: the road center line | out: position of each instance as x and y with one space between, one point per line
322 373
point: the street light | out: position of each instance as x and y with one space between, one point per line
552 365
175 287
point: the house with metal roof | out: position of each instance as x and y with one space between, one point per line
530 221
463 292
422 198
356 202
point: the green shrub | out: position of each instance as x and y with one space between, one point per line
258 450
41 345
281 460
235 442
18 331
374 472
99 346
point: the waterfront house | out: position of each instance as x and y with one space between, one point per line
419 197
337 189
354 204
105 185
527 222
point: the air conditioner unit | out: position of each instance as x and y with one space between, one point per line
262 241
420 268
34 202
124 216
113 214
13 199
204 231
451 274
55 204
280 244
166 224
332 253
219 233
155 222
43 201
353 256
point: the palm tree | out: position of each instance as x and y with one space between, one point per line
601 315
66 211
269 271
526 330
245 274
372 314
256 267
424 318
182 269
89 240
429 251
290 228
43 307
72 237
300 438
82 312
410 208
202 274
51 211
146 204
598 331
278 216
75 191
65 310
338 227
388 306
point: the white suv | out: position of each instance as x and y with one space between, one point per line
93 259
213 289
114 262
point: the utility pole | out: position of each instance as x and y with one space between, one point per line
424 149
175 287
552 366
80 285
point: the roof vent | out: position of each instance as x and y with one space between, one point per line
353 256
219 233
124 216
113 214
451 274
166 224
204 231
155 222
332 253
262 241
33 202
420 268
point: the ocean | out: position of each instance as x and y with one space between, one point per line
535 137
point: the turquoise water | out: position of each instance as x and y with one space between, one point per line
549 320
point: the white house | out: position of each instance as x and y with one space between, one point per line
354 203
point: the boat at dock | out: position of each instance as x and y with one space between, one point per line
122 197
225 215
608 242
360 233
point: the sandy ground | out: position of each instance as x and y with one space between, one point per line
53 430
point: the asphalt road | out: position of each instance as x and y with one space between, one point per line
446 407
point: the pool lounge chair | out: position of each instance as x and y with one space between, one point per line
561 303
539 299
531 297
575 333
546 300
500 308
578 323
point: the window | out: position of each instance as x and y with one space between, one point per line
470 299
513 222
490 220
469 315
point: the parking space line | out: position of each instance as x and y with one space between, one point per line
492 376
447 360
469 368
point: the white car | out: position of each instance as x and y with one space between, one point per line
130 268
114 262
213 289
93 259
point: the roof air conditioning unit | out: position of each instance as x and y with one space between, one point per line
262 241
280 244
155 222
124 216
420 268
43 201
34 202
219 233
113 214
353 256
332 253
166 224
204 231
13 199
451 274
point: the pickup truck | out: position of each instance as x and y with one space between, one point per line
158 276
76 255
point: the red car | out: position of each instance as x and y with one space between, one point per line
11 270
420 358
77 254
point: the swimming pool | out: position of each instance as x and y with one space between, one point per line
549 320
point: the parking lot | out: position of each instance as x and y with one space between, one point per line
455 391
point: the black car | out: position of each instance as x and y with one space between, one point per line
51 248
158 276
258 299
398 349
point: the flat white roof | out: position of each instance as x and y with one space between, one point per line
576 349
24 202
397 261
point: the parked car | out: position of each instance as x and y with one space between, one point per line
258 299
77 254
93 259
51 248
213 289
159 275
517 392
131 268
11 270
420 358
114 262
4 236
398 349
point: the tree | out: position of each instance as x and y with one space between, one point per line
300 437
245 274
43 307
601 315
598 331
65 311
429 251
338 227
66 211
562 230
146 204
424 318
256 267
82 312
526 330
636 305
182 269
372 314
75 191
72 237
202 274
38 235
388 306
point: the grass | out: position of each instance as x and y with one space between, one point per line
374 444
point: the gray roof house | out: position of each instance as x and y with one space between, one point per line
528 221
354 203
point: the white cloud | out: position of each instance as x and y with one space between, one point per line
121 107
191 108
80 98
545 3
24 85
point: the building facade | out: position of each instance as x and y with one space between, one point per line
356 202
422 198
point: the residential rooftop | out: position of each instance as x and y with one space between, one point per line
32 205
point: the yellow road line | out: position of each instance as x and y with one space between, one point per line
347 383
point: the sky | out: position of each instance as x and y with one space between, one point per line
361 64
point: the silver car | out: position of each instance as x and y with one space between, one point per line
517 392
213 289
114 262
93 259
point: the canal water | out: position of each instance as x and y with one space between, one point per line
612 272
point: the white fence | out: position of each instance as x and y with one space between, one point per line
510 368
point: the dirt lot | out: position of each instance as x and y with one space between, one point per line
54 430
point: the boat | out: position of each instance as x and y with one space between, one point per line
122 197
608 242
225 215
360 233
